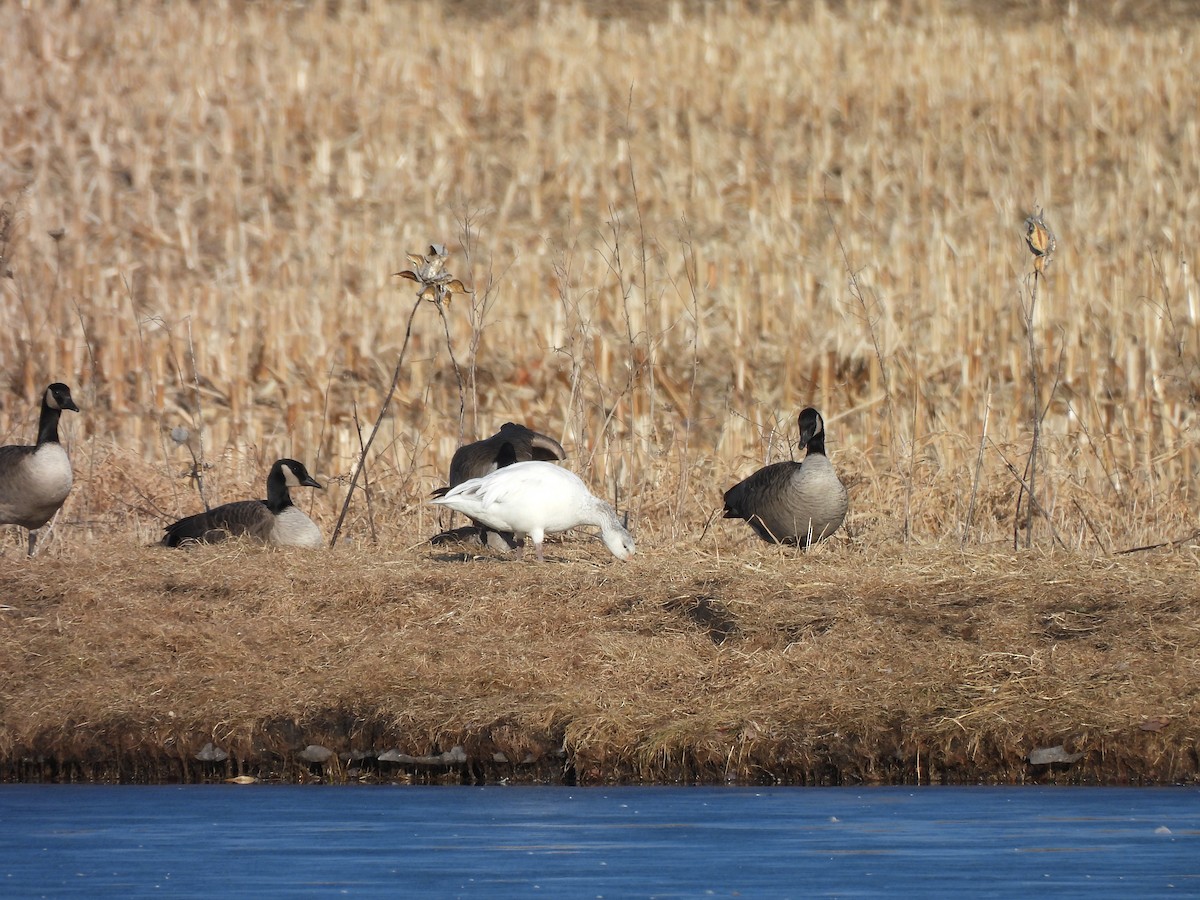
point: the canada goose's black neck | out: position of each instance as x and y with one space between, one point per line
56 398
816 443
48 424
279 497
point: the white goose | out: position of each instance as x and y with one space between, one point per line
36 478
535 498
512 443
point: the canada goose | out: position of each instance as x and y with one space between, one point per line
273 521
793 502
477 459
35 480
533 498
512 443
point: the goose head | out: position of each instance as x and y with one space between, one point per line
58 397
812 430
295 475
618 541
614 531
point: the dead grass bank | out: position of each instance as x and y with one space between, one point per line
844 666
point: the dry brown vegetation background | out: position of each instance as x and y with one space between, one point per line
682 223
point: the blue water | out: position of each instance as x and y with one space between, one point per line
291 841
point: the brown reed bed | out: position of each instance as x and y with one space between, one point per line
682 223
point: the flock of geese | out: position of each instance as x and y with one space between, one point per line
509 485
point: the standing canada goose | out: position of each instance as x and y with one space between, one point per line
273 521
35 480
512 443
793 502
533 498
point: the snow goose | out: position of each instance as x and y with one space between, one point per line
793 502
535 498
35 479
273 521
512 443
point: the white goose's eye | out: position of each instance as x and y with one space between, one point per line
289 476
51 400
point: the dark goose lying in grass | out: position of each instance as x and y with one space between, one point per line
793 502
273 521
512 443
35 479
536 498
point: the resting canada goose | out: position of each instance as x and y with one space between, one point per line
35 480
477 459
273 521
793 502
533 498
512 443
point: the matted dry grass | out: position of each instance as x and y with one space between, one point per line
683 222
684 665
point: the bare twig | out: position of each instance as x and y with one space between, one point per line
436 285
1035 424
387 400
1021 481
857 292
199 461
462 394
481 301
1092 528
987 411
1175 543
366 476
1042 244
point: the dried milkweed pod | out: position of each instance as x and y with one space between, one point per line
429 271
1041 241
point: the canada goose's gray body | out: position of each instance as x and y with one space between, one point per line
512 443
793 502
35 480
273 521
